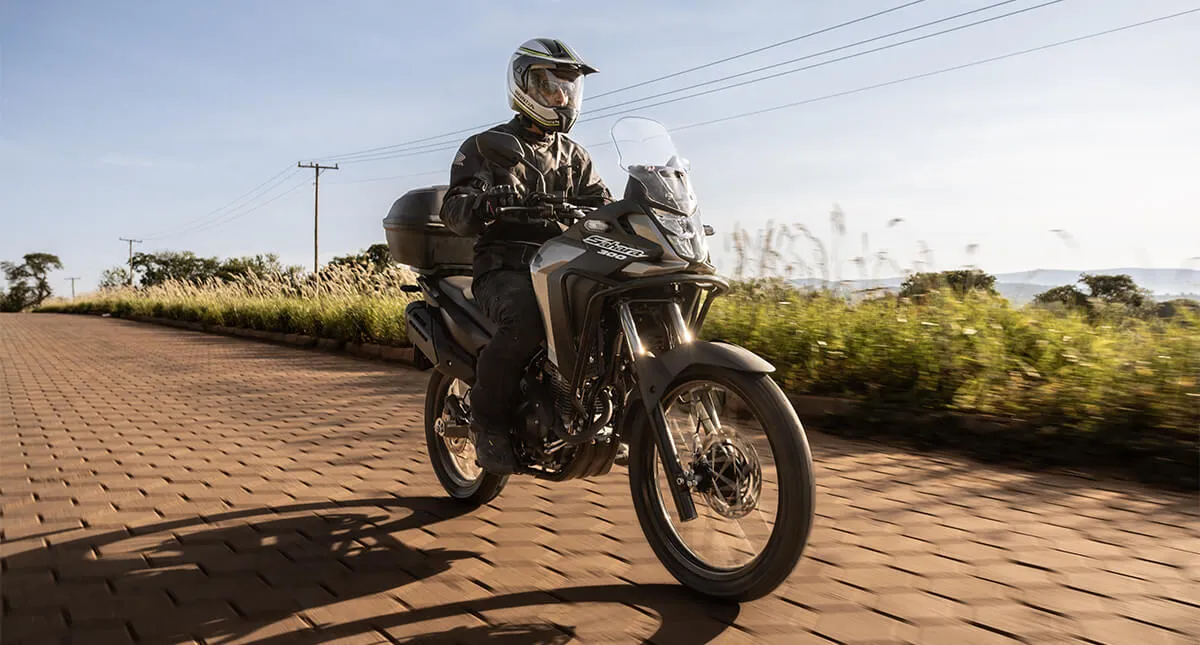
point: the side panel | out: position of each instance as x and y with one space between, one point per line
599 257
418 323
429 335
550 258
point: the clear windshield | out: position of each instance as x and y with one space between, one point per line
645 151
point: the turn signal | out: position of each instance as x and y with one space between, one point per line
595 226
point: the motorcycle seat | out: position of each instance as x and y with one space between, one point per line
462 283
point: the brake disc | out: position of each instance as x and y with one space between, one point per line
734 478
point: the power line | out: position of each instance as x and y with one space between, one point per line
172 231
826 97
235 214
937 72
412 152
815 65
760 49
346 157
405 154
391 177
914 77
443 147
216 224
828 51
72 287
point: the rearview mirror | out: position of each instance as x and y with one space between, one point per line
500 148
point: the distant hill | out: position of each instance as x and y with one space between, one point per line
1159 281
1021 287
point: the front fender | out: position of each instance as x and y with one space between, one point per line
655 373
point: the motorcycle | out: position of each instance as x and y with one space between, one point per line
623 292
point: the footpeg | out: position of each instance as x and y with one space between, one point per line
451 431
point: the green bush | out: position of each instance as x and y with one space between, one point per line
976 354
1070 378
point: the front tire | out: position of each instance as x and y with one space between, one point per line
795 502
451 462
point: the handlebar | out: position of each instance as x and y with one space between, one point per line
559 210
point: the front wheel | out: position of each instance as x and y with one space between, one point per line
453 459
751 472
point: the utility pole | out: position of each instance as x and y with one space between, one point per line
317 168
72 288
131 243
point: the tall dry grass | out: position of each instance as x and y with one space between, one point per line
348 303
1113 374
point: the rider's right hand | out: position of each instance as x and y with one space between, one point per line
496 197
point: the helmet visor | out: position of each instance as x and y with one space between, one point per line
555 88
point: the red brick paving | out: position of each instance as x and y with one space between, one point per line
162 486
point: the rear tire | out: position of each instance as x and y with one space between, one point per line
475 491
796 504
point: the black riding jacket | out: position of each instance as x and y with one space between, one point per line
568 172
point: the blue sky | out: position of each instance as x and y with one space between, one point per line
137 118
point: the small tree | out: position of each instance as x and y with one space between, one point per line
18 297
156 268
35 268
959 282
232 268
1066 295
1116 289
114 277
1105 292
1176 306
376 258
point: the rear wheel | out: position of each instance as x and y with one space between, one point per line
740 441
453 460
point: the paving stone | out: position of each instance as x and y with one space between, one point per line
961 634
234 487
1023 621
863 626
1114 631
919 608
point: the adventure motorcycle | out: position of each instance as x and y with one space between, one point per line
622 292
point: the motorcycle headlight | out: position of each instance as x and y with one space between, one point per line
685 233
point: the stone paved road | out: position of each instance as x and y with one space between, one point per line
164 486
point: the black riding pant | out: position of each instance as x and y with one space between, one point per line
506 296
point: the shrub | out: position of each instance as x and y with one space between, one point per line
349 302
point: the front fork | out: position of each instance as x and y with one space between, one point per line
645 366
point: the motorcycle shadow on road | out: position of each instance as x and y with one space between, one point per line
231 576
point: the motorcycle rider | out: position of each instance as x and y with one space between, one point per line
545 89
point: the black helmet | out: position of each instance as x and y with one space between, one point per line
545 83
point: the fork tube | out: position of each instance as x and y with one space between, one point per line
682 333
631 332
676 477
